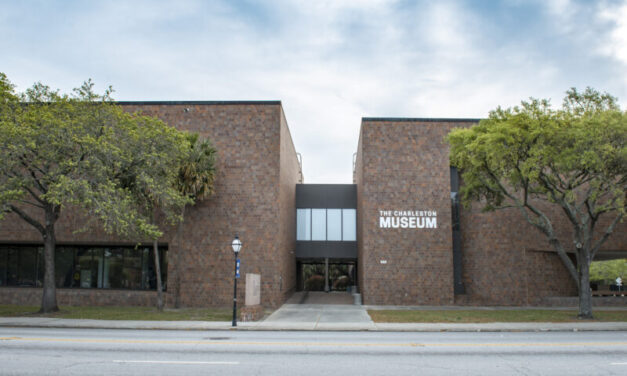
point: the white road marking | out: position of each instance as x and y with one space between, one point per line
172 362
619 364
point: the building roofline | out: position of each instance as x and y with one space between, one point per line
424 120
222 103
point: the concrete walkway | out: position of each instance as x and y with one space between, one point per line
319 297
319 317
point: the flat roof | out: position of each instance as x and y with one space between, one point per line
425 120
198 103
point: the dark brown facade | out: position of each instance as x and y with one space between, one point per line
405 248
257 170
401 170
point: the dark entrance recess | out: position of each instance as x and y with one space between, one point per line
326 237
311 275
458 286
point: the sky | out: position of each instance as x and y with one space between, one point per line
330 63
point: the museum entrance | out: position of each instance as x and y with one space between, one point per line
326 275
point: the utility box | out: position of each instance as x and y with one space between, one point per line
252 311
253 289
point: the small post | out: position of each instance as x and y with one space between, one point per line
235 293
237 245
326 274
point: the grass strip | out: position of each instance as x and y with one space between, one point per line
484 316
121 313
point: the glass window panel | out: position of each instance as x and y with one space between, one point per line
3 266
98 263
113 268
40 266
63 267
147 272
349 225
85 271
164 268
12 257
318 224
132 270
303 224
334 224
27 267
102 267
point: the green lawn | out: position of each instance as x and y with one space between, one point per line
479 316
122 313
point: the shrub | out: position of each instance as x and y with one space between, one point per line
314 283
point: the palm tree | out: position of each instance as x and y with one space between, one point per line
195 180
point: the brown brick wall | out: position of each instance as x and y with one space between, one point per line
290 174
502 264
358 179
251 199
82 297
404 165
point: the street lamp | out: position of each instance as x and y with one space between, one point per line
237 245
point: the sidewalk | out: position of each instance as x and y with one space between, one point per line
310 325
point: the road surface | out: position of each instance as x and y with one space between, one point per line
32 351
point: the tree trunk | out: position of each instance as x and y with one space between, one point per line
177 266
49 299
585 294
155 248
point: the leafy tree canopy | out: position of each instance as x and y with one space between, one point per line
573 158
83 151
608 271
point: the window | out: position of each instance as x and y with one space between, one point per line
27 267
334 224
63 267
12 266
83 267
326 224
113 262
132 271
86 269
349 224
3 266
318 224
303 224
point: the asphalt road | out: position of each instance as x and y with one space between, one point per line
31 351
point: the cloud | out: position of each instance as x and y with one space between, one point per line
615 45
330 62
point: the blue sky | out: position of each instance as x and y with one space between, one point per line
329 62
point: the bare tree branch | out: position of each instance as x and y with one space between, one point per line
606 235
28 218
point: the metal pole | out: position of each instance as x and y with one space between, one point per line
235 293
326 274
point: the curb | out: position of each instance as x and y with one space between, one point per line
261 326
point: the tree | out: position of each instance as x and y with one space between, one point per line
544 161
186 173
608 271
195 180
151 178
82 153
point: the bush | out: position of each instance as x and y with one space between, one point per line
341 283
314 283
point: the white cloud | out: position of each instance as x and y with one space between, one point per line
616 45
330 62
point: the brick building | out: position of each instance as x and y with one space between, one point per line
395 232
